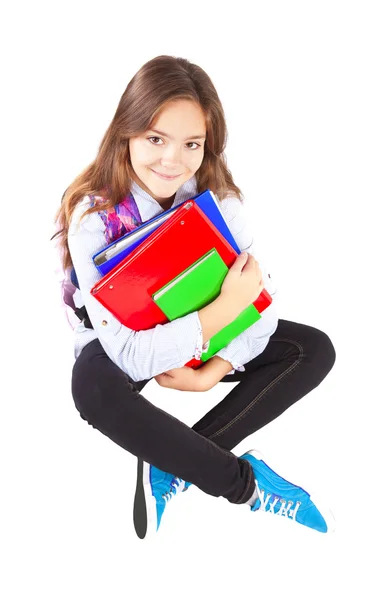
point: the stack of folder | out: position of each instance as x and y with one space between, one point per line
171 266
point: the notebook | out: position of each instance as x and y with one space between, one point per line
196 287
110 256
107 258
126 291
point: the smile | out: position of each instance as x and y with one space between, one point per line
166 177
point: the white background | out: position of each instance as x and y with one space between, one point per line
301 85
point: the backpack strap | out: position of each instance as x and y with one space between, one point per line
82 314
73 278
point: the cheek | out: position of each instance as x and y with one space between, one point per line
197 160
133 151
140 153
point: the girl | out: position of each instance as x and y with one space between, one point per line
164 145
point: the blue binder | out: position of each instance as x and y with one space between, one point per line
107 258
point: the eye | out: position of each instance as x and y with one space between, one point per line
188 144
154 138
198 145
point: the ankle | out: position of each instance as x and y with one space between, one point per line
253 498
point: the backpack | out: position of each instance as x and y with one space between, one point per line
119 220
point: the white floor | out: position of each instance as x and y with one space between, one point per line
309 162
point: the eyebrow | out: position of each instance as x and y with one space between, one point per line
191 137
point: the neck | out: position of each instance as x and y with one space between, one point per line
167 202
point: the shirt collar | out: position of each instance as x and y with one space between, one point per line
149 207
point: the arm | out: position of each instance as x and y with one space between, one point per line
186 379
141 354
251 342
213 371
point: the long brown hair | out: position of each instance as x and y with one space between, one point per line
159 81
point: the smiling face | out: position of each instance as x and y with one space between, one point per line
171 151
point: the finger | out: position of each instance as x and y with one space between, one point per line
251 263
240 261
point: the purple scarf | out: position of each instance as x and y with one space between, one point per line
120 219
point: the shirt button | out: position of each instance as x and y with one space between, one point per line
104 322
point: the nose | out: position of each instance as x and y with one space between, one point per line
171 157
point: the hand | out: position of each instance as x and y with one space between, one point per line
200 380
243 283
185 379
213 371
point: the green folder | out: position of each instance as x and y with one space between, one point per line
196 287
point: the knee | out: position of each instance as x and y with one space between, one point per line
89 392
323 349
87 400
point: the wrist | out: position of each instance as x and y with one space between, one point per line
220 363
213 371
229 305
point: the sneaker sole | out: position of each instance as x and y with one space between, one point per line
144 508
317 500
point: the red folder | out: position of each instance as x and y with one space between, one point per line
126 291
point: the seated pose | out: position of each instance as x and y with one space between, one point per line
164 145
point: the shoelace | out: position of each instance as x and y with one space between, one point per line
286 508
175 487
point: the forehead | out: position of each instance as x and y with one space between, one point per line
180 116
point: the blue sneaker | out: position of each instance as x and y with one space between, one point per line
282 498
153 491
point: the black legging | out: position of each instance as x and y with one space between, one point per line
297 358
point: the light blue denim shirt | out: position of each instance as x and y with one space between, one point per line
145 354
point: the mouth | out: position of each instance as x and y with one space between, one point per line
166 177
